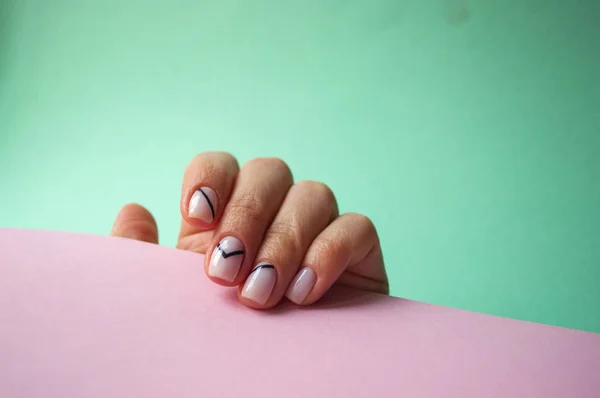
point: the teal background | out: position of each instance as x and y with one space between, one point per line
469 131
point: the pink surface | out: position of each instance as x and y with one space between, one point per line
89 316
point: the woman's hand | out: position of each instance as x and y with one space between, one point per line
264 233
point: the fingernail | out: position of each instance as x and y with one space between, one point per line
301 286
260 283
226 259
203 204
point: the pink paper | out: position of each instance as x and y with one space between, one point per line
90 316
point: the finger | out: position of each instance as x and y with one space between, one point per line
259 191
347 251
135 222
307 210
207 183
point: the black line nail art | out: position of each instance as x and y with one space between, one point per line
212 209
261 266
225 254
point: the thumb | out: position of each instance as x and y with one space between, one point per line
135 222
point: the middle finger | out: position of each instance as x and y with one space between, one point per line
259 191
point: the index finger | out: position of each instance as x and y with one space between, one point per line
207 183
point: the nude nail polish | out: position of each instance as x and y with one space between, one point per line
301 285
226 259
260 283
203 205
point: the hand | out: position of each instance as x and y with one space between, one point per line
263 233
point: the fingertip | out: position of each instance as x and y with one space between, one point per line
225 261
301 286
256 292
207 183
135 222
135 209
220 281
201 207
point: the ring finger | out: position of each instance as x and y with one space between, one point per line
306 211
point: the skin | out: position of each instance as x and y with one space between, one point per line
289 224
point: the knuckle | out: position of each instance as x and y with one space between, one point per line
362 222
214 155
246 207
318 190
272 165
192 164
222 154
364 226
331 251
211 163
284 233
226 159
199 168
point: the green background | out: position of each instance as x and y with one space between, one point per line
469 131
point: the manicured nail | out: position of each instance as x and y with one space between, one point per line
301 286
203 205
226 259
260 283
